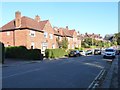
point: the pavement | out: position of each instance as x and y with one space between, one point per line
111 80
114 80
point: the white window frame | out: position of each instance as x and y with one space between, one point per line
45 34
33 44
68 38
53 46
32 33
51 36
60 38
8 33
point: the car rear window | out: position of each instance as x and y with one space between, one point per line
109 50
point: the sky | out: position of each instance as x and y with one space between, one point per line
91 17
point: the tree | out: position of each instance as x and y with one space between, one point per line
117 36
88 41
65 43
62 44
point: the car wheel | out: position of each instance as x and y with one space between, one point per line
103 56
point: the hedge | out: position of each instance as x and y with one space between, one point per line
54 53
2 53
34 54
21 52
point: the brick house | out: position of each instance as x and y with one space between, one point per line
94 36
71 35
25 31
35 33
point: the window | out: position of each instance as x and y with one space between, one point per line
45 34
60 38
51 36
53 45
32 45
32 33
68 39
8 33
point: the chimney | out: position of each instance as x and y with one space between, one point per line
67 27
37 18
17 19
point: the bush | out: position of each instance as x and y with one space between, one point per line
16 52
2 53
34 54
54 53
21 52
81 48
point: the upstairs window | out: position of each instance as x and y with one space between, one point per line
8 33
45 34
32 33
60 38
51 36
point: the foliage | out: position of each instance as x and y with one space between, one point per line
34 54
55 53
117 36
2 54
65 43
21 52
62 44
81 48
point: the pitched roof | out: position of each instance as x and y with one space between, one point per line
66 32
26 22
71 32
56 32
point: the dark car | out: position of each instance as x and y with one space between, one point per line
88 52
117 52
97 52
74 53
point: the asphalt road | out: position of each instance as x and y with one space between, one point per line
74 72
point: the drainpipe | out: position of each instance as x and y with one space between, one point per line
13 37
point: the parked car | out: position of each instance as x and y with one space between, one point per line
109 53
117 52
88 52
75 53
97 52
82 52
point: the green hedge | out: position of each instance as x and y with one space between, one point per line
21 52
54 53
34 54
2 52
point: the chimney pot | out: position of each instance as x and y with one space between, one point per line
37 18
17 19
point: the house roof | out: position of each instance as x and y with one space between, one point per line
26 22
72 32
56 32
66 32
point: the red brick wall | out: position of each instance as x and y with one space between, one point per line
20 37
48 28
37 40
7 39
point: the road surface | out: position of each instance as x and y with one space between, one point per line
74 72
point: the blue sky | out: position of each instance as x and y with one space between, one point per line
92 17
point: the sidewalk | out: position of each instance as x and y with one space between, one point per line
111 80
114 80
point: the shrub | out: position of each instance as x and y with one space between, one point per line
15 52
54 53
48 53
21 52
1 53
34 54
